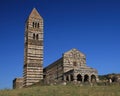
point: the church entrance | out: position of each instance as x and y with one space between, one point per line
79 78
86 78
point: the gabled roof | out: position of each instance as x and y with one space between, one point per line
74 51
34 14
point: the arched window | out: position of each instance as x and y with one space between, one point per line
38 25
37 36
33 24
33 36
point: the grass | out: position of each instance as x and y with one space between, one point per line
69 90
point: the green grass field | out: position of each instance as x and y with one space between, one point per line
68 90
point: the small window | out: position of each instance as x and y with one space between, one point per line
33 24
38 25
37 36
33 36
74 64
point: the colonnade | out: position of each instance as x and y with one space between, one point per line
80 78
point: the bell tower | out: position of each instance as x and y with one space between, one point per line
33 49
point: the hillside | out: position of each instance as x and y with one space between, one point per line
69 90
113 76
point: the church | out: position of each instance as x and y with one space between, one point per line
71 67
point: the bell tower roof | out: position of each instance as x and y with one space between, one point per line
34 14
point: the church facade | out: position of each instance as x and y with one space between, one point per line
70 67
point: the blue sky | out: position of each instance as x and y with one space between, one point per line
91 26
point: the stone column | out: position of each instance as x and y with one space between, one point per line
82 78
75 79
64 78
89 78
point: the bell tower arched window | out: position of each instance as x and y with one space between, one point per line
33 36
37 37
33 24
38 25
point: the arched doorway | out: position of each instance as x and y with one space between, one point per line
86 78
71 77
67 78
79 77
93 78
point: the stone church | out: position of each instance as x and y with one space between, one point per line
71 67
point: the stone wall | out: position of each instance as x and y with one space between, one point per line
54 72
17 83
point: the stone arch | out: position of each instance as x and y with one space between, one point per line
67 78
86 78
71 77
93 78
79 77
